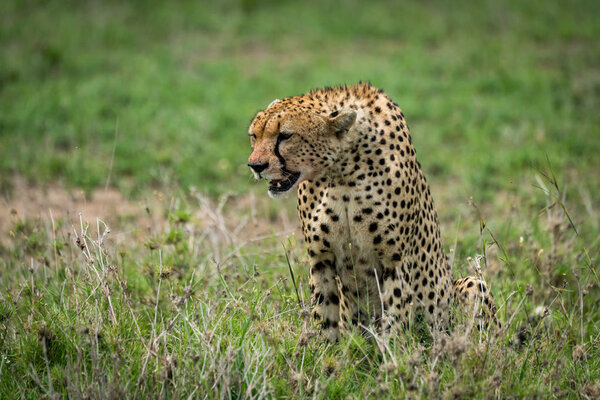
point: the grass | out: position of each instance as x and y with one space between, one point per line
182 82
197 306
205 294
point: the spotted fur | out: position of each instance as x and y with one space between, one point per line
365 207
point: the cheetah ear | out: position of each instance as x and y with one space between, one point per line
342 120
273 103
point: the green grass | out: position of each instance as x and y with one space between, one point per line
199 298
181 83
199 305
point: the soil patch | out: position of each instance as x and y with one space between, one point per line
242 219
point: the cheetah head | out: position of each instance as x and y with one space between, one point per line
292 143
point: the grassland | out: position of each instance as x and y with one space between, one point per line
191 283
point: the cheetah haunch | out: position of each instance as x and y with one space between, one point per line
365 207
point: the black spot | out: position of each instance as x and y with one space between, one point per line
319 298
325 228
377 239
319 266
373 227
334 298
397 292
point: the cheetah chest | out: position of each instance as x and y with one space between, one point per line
359 272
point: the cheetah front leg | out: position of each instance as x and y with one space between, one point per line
324 293
396 296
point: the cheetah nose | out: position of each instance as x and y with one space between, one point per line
258 167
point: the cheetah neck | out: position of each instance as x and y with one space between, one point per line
368 146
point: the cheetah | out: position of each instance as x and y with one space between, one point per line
364 205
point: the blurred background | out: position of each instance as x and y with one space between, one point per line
490 89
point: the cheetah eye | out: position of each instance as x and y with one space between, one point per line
283 136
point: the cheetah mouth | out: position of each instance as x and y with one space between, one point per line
277 186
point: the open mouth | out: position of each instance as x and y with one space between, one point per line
283 185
